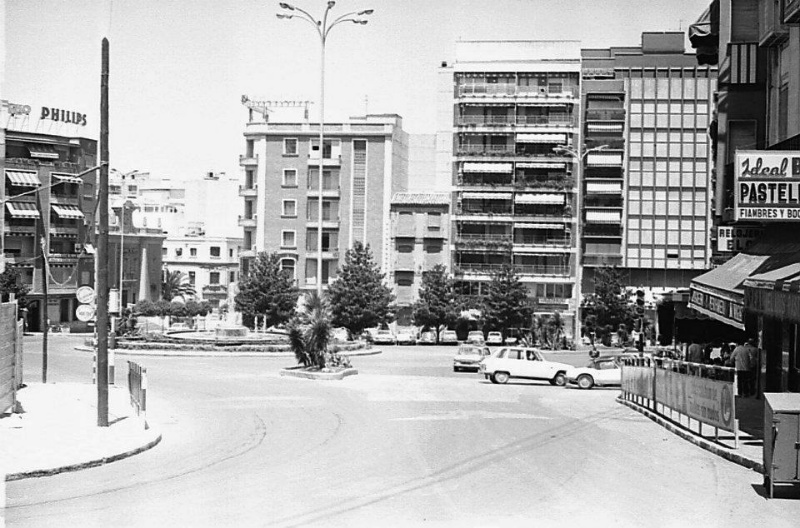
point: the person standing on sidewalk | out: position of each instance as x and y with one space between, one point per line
695 352
740 359
753 372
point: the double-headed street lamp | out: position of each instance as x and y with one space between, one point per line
323 28
568 150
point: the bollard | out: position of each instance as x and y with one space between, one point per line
111 369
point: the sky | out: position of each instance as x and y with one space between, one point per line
179 67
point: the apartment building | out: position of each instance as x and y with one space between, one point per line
48 205
365 162
647 162
420 235
506 110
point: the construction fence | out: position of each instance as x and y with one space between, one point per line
10 355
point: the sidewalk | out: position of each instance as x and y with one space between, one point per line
58 431
749 412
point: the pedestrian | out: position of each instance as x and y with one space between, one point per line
695 353
740 359
753 372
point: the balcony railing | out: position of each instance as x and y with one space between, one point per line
520 120
245 190
483 240
543 241
545 121
465 181
330 191
605 115
248 159
512 90
484 210
602 260
523 269
486 150
557 182
247 221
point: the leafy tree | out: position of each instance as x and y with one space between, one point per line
176 284
358 298
436 304
10 282
267 291
608 307
506 304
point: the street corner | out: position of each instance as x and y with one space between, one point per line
58 431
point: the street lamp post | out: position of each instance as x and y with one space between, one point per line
323 28
579 157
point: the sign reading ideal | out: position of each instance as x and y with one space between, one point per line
767 186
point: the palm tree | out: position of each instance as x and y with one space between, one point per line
555 329
310 333
175 284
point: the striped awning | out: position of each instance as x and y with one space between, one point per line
67 178
604 127
42 151
23 178
541 165
539 226
487 167
604 159
604 187
68 211
542 138
544 199
22 210
604 216
485 196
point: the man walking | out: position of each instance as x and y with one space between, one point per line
695 352
741 360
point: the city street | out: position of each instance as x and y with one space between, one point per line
406 442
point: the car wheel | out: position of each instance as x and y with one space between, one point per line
585 381
456 369
501 377
560 379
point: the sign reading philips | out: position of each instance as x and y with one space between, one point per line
767 186
63 116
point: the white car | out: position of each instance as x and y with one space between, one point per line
469 357
475 337
523 363
494 338
603 371
448 337
384 337
406 337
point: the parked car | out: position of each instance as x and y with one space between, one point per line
494 338
339 334
523 363
384 337
469 357
427 338
406 337
448 337
603 371
475 337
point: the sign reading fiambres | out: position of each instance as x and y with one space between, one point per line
767 186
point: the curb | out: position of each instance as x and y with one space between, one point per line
696 440
83 465
326 376
210 353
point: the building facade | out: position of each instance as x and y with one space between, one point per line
506 107
365 162
211 264
420 241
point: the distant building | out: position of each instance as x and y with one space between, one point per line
420 235
366 162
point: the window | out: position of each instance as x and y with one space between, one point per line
290 177
289 208
434 221
178 252
213 277
288 239
290 146
215 252
192 278
288 265
163 252
232 276
192 252
230 252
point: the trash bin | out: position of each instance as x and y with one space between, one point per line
781 439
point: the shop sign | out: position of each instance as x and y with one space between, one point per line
18 109
726 310
63 116
767 186
736 239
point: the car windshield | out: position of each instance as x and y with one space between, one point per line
472 351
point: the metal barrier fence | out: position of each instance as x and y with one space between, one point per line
137 388
10 356
704 393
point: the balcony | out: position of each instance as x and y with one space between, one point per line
327 222
404 262
496 182
602 231
485 150
602 260
558 121
21 260
248 253
327 191
546 121
772 30
64 231
62 258
65 200
329 253
543 242
474 210
247 221
522 269
215 291
327 161
791 12
556 182
480 120
605 115
248 160
483 241
246 191
19 229
497 90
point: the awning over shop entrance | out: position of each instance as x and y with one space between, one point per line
43 151
719 293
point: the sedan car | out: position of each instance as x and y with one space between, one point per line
448 337
494 338
475 337
469 357
384 337
406 337
523 363
603 371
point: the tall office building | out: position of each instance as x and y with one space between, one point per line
505 107
647 162
365 162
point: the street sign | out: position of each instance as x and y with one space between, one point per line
85 312
85 294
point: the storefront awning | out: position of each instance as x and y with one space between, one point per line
23 178
704 35
68 211
786 278
544 199
542 138
22 210
541 165
604 187
485 196
502 168
67 178
605 217
719 293
604 159
604 127
42 151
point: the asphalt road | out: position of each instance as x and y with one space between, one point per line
407 442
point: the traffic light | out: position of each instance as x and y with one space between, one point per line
640 302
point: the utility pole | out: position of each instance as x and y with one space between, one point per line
102 249
44 315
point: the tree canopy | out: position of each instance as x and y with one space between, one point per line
10 282
436 303
608 307
359 299
506 303
176 284
267 291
